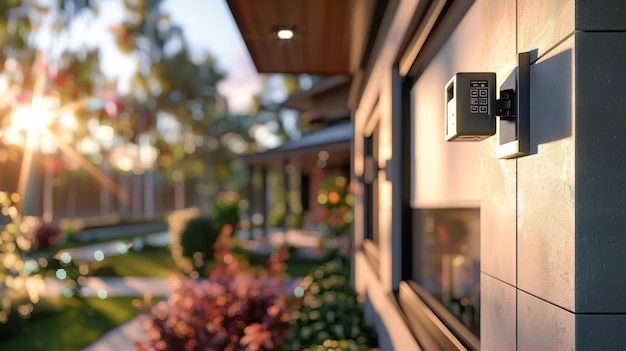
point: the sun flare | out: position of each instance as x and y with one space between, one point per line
36 120
32 121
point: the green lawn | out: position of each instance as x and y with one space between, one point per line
157 262
68 324
149 262
296 267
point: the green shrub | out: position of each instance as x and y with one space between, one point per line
192 236
226 208
336 201
12 327
295 220
18 273
330 313
339 345
198 238
177 223
276 216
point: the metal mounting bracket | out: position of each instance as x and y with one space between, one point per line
513 126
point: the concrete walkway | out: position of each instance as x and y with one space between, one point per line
104 287
122 338
114 232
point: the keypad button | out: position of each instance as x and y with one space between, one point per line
474 109
473 101
483 101
483 109
483 92
474 92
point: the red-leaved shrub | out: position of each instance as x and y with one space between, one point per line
46 235
233 309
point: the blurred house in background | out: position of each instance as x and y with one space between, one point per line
305 164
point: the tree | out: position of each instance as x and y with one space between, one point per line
169 82
36 73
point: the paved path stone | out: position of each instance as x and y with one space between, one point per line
110 287
113 232
122 338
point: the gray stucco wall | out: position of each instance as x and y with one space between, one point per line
553 223
600 133
570 192
600 172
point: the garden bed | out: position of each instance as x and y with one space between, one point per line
90 318
239 307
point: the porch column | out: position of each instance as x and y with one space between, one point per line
250 195
264 210
285 195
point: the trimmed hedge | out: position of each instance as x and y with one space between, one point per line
199 236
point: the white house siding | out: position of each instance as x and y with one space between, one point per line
376 99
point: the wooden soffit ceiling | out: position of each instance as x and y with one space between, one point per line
322 41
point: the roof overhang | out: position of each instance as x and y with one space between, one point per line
330 37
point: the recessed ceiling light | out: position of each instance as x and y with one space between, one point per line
284 33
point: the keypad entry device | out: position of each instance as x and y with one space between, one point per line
470 106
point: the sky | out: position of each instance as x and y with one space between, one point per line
209 28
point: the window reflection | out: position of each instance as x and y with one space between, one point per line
448 265
371 193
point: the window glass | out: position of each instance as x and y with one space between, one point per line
371 193
448 261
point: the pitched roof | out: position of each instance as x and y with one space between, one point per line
335 138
